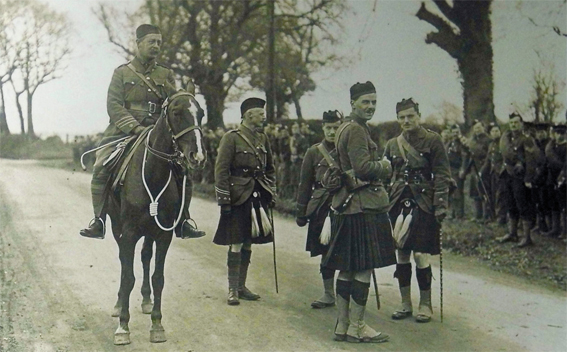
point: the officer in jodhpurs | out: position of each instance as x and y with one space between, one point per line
132 105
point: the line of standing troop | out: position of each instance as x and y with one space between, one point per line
349 190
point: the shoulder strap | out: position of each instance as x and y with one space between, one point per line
146 81
326 155
402 151
404 144
337 137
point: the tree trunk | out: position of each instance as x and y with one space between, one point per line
215 104
4 129
297 107
31 132
478 87
20 113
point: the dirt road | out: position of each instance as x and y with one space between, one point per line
58 289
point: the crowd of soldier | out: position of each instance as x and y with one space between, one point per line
531 153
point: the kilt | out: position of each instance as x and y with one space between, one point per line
316 222
361 241
236 227
424 230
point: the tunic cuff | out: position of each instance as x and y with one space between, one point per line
223 196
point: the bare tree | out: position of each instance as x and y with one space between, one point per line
45 36
9 51
547 91
549 15
465 33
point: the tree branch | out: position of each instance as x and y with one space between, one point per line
445 38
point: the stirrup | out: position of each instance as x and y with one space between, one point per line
194 232
88 232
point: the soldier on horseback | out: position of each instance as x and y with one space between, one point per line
134 102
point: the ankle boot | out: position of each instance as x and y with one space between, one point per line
187 230
403 274
343 303
328 298
243 291
358 330
233 263
512 236
555 225
527 239
96 228
425 310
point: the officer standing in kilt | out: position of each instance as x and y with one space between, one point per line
520 154
314 201
135 96
245 190
419 198
362 236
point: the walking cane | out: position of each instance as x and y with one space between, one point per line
274 248
441 271
376 289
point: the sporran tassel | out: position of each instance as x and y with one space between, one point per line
255 229
266 226
403 234
398 226
325 236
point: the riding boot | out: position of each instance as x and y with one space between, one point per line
343 302
328 298
425 310
403 274
555 225
233 263
96 229
243 291
527 239
512 236
187 230
358 330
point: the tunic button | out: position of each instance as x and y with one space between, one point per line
422 190
149 90
232 184
147 77
441 199
420 154
515 148
131 125
407 183
245 152
257 167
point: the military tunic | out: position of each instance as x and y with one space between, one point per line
244 179
314 201
130 104
362 232
424 179
520 155
474 157
455 153
556 154
492 166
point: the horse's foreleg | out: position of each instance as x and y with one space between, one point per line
147 252
157 332
127 279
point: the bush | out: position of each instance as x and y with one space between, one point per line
18 146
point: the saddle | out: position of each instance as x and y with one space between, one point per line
121 157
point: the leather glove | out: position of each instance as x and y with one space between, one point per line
272 204
225 209
518 169
137 130
301 221
440 217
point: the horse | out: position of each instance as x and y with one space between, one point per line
148 204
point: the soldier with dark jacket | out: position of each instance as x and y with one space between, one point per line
419 198
455 150
541 191
245 190
556 155
362 236
520 155
476 149
493 166
132 105
314 201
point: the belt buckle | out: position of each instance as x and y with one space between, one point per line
152 107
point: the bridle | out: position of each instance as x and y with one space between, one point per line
177 155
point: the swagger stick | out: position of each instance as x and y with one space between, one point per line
376 289
274 248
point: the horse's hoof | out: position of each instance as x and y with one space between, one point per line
157 336
122 338
147 307
116 312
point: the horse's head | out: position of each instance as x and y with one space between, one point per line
183 115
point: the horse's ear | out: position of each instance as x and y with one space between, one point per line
190 87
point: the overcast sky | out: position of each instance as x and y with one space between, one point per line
392 53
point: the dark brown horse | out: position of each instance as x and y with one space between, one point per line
149 204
